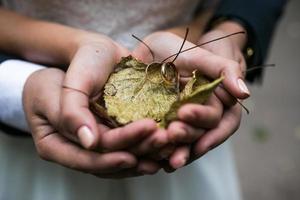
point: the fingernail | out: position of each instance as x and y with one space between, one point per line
243 87
86 136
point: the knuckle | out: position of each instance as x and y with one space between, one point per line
82 163
173 136
197 115
211 117
230 65
113 140
181 135
159 140
42 151
173 133
217 116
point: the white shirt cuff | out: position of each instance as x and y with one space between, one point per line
13 76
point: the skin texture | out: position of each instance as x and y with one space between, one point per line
230 48
59 113
78 52
202 128
43 117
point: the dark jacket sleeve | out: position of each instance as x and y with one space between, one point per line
261 17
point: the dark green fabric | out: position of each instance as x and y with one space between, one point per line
261 16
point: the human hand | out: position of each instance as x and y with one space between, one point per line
164 44
230 48
41 100
193 118
88 72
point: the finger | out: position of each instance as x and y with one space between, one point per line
163 153
85 77
56 148
180 133
151 144
122 51
147 166
48 96
162 44
180 157
144 167
77 122
166 166
141 52
202 116
124 137
226 98
228 50
215 66
229 124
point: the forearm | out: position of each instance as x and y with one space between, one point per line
37 41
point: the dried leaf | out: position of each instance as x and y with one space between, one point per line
198 95
130 94
102 114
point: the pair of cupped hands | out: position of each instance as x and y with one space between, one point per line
65 130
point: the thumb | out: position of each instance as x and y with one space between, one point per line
84 80
77 121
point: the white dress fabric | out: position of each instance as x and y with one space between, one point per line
24 176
